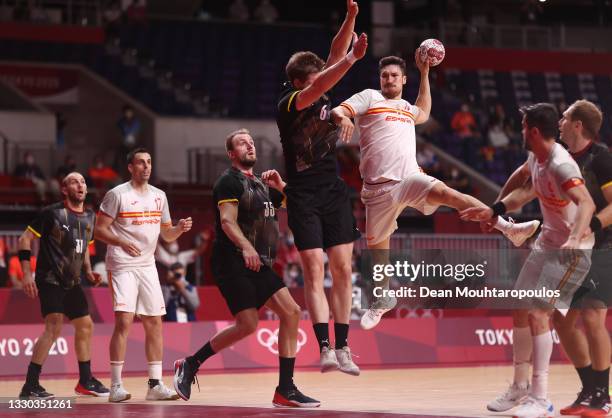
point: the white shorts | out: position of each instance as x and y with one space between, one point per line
385 202
545 268
137 291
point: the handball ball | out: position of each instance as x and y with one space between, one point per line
431 50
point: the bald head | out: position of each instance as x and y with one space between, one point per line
74 188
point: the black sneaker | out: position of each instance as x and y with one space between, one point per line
600 405
293 398
93 387
579 405
184 377
35 391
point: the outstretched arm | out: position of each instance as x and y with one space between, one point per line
342 40
330 76
423 101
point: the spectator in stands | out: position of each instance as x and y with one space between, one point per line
531 11
111 17
286 253
463 122
60 126
168 254
459 181
136 12
497 136
239 11
55 183
15 272
181 297
293 275
425 156
29 170
102 175
266 12
129 127
3 270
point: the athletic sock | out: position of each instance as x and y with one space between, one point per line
116 368
341 335
542 350
201 355
155 373
84 371
33 373
522 347
285 377
586 377
321 331
601 380
502 224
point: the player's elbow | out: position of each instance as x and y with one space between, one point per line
588 206
24 241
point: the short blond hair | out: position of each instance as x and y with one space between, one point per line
229 144
590 116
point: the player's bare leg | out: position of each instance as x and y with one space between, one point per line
87 385
117 348
379 252
318 307
522 348
442 195
32 387
154 348
286 393
341 303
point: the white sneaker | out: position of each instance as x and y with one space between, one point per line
329 362
161 392
509 399
535 408
346 363
118 393
373 315
519 233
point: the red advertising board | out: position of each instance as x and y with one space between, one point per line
395 342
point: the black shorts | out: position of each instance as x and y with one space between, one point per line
243 288
55 299
596 290
321 217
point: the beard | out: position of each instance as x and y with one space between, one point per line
75 199
247 161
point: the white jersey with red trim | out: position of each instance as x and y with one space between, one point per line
137 218
386 136
551 180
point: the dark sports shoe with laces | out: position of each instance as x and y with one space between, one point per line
293 398
580 404
35 391
600 405
184 377
93 387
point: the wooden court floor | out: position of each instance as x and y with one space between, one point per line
456 391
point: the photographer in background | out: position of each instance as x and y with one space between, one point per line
180 296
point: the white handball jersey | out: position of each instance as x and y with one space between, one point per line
551 180
137 218
386 136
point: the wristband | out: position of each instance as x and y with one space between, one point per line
499 208
595 224
351 58
24 255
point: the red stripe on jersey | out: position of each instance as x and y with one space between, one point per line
572 183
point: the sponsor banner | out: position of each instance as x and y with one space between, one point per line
395 342
43 84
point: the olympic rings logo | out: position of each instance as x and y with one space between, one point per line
269 339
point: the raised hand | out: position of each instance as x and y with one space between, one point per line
420 64
352 8
360 45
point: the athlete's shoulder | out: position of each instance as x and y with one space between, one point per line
120 189
156 190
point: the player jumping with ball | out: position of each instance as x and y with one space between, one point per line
392 178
